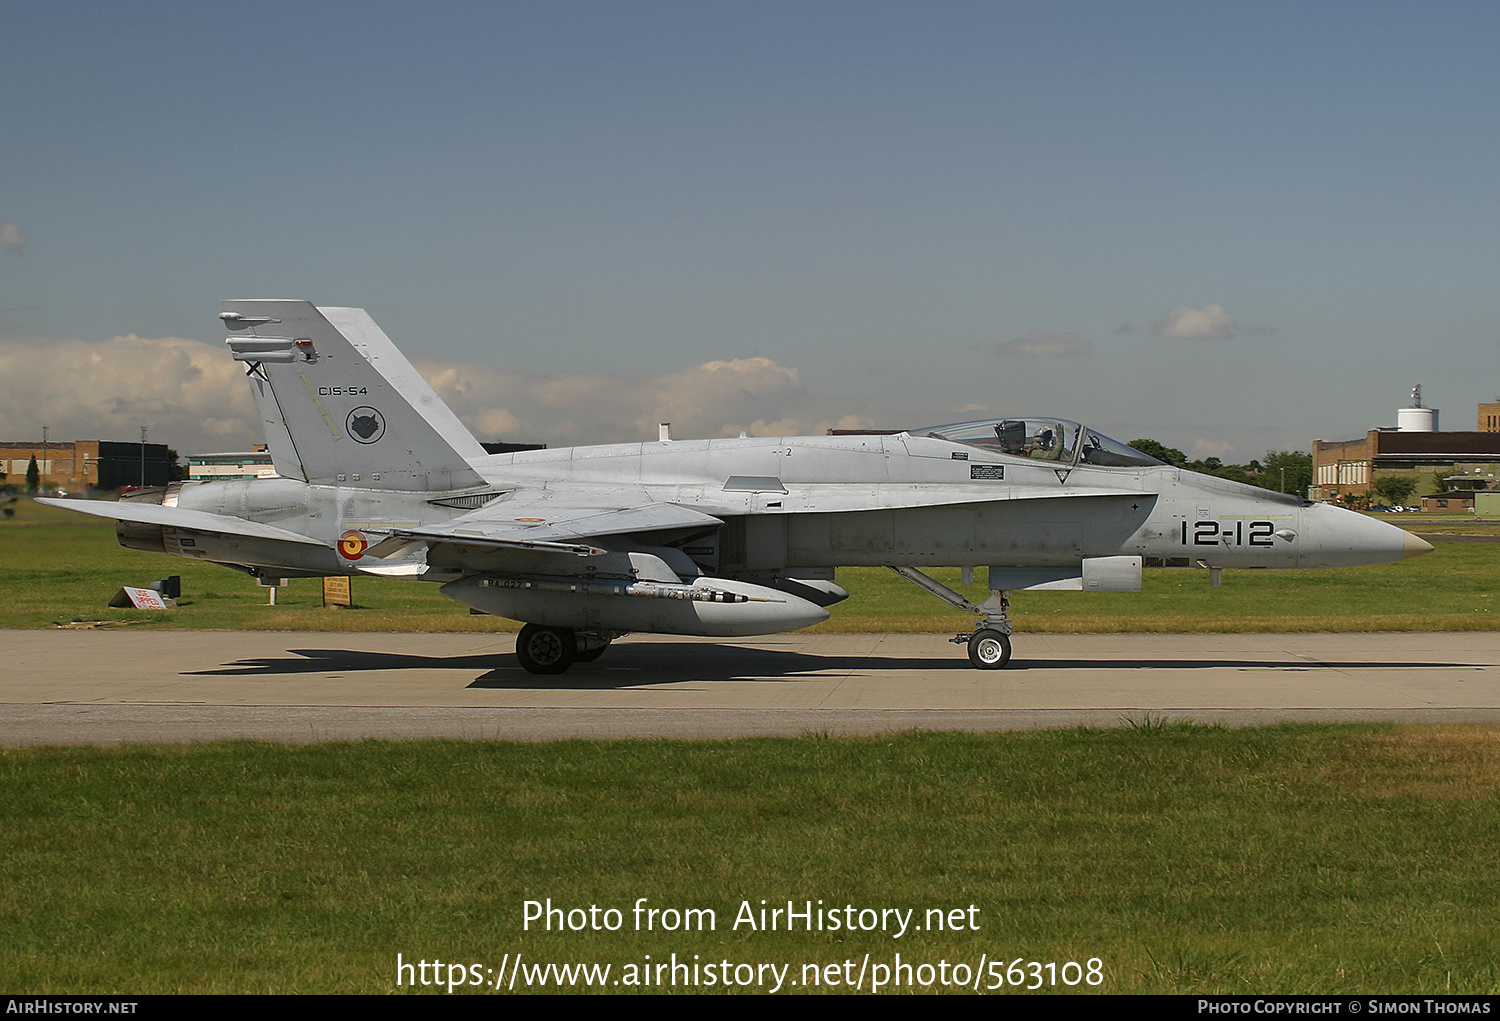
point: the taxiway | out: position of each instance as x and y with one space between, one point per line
105 688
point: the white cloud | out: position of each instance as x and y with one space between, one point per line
190 394
721 398
1041 344
11 236
1184 322
193 397
1203 448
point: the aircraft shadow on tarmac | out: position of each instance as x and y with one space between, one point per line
623 666
632 666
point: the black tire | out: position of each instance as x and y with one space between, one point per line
989 649
546 650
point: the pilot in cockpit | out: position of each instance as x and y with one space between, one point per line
1044 447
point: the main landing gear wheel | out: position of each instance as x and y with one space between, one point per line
546 650
989 649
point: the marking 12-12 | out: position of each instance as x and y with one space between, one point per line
1230 533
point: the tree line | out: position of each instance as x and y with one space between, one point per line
1284 471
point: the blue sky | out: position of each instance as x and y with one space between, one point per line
920 208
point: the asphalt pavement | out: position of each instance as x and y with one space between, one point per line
113 687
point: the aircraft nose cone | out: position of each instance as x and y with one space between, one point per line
1335 537
1415 546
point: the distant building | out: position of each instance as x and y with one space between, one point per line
1350 467
251 464
1452 500
80 465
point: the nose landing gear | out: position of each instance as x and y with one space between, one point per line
989 642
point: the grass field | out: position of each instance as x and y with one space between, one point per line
1186 859
57 566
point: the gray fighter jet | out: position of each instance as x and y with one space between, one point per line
717 537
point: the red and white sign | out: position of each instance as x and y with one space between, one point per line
145 598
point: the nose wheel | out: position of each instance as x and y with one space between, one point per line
989 649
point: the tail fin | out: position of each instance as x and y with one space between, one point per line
341 405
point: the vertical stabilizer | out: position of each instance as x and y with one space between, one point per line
341 405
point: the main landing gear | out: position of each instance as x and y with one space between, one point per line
543 649
989 642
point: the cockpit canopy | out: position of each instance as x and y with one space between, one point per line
1043 439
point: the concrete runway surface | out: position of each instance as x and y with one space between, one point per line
113 687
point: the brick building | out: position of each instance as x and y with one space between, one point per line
1350 467
80 465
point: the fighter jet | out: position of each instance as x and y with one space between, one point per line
714 537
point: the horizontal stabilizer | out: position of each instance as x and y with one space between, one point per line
180 517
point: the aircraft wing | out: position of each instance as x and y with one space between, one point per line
547 521
181 517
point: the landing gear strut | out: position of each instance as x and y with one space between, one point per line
989 642
591 644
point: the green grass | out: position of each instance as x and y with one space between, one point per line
57 566
1188 859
